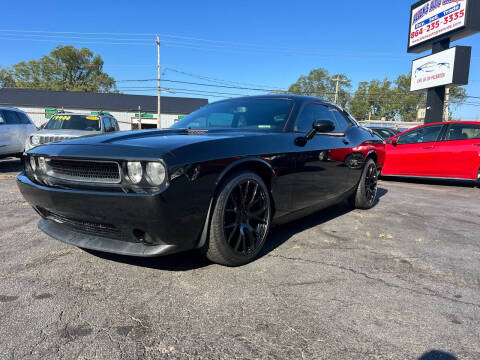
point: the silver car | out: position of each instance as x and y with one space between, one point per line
15 127
64 126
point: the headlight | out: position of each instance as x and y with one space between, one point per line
41 164
135 171
156 173
33 163
35 140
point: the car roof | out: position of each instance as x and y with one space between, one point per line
300 98
11 108
81 114
440 123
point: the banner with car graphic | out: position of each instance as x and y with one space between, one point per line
449 67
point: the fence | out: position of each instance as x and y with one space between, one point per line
398 125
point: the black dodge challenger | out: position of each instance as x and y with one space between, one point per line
217 180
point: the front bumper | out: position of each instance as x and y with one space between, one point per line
130 224
99 243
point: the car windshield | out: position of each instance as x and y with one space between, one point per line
385 133
259 114
74 122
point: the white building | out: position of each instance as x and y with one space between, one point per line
40 105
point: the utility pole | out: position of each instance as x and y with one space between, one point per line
446 113
139 118
338 81
159 120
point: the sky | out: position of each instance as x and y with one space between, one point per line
256 44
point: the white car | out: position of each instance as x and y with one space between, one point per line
15 127
64 126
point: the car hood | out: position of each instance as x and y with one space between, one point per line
70 133
149 144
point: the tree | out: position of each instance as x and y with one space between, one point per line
373 98
408 103
320 84
379 99
66 68
6 78
458 95
359 106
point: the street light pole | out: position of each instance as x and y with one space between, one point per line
159 121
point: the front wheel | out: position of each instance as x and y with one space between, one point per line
240 221
366 193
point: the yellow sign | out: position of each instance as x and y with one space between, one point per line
62 117
93 118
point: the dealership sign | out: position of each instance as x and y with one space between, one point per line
446 68
434 20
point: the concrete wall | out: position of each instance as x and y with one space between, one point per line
124 119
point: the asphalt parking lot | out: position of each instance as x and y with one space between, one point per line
401 281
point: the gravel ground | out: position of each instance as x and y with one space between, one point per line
401 281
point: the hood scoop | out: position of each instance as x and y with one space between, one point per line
195 132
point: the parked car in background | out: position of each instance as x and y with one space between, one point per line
64 126
384 132
448 150
217 180
15 127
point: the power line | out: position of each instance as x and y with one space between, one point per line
138 88
202 84
289 49
212 79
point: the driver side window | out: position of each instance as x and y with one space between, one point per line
422 135
311 113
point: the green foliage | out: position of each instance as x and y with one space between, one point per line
394 100
373 98
6 78
319 83
66 68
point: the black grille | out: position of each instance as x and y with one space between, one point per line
84 171
83 226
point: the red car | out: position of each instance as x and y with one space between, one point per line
449 150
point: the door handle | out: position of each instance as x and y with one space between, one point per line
476 144
428 147
346 142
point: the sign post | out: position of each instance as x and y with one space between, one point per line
433 25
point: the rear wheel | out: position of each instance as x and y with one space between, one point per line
240 221
366 193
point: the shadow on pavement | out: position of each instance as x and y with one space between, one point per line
185 261
281 234
193 259
437 355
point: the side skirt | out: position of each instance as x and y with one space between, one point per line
428 177
312 209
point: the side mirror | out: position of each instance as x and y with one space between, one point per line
320 126
394 141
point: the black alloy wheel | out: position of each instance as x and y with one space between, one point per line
240 221
246 217
371 182
365 195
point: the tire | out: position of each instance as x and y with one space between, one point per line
240 221
366 192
